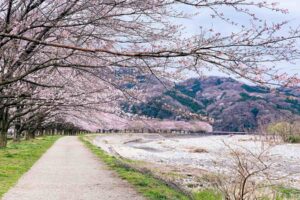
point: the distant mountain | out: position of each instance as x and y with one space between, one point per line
231 105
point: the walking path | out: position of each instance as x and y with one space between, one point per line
69 171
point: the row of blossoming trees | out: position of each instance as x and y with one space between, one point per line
57 57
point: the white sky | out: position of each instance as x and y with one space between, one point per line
205 20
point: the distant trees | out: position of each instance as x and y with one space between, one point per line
256 89
56 54
288 131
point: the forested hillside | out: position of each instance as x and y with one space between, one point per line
233 105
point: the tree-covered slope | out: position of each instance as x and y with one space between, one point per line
233 106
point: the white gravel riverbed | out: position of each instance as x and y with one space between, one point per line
209 153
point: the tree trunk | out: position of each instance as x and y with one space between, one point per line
18 126
17 137
4 125
18 132
30 135
3 139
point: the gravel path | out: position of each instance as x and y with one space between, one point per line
69 171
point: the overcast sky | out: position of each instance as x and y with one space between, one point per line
205 20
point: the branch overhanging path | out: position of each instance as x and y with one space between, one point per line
69 171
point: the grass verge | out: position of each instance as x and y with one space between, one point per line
287 193
146 184
207 194
18 158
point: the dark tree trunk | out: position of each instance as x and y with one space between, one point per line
3 139
18 126
17 137
30 135
18 132
3 127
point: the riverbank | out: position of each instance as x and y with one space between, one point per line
193 160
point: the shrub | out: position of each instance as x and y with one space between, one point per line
289 132
293 139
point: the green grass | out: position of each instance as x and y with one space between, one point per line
284 193
287 193
207 194
146 184
18 158
293 139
